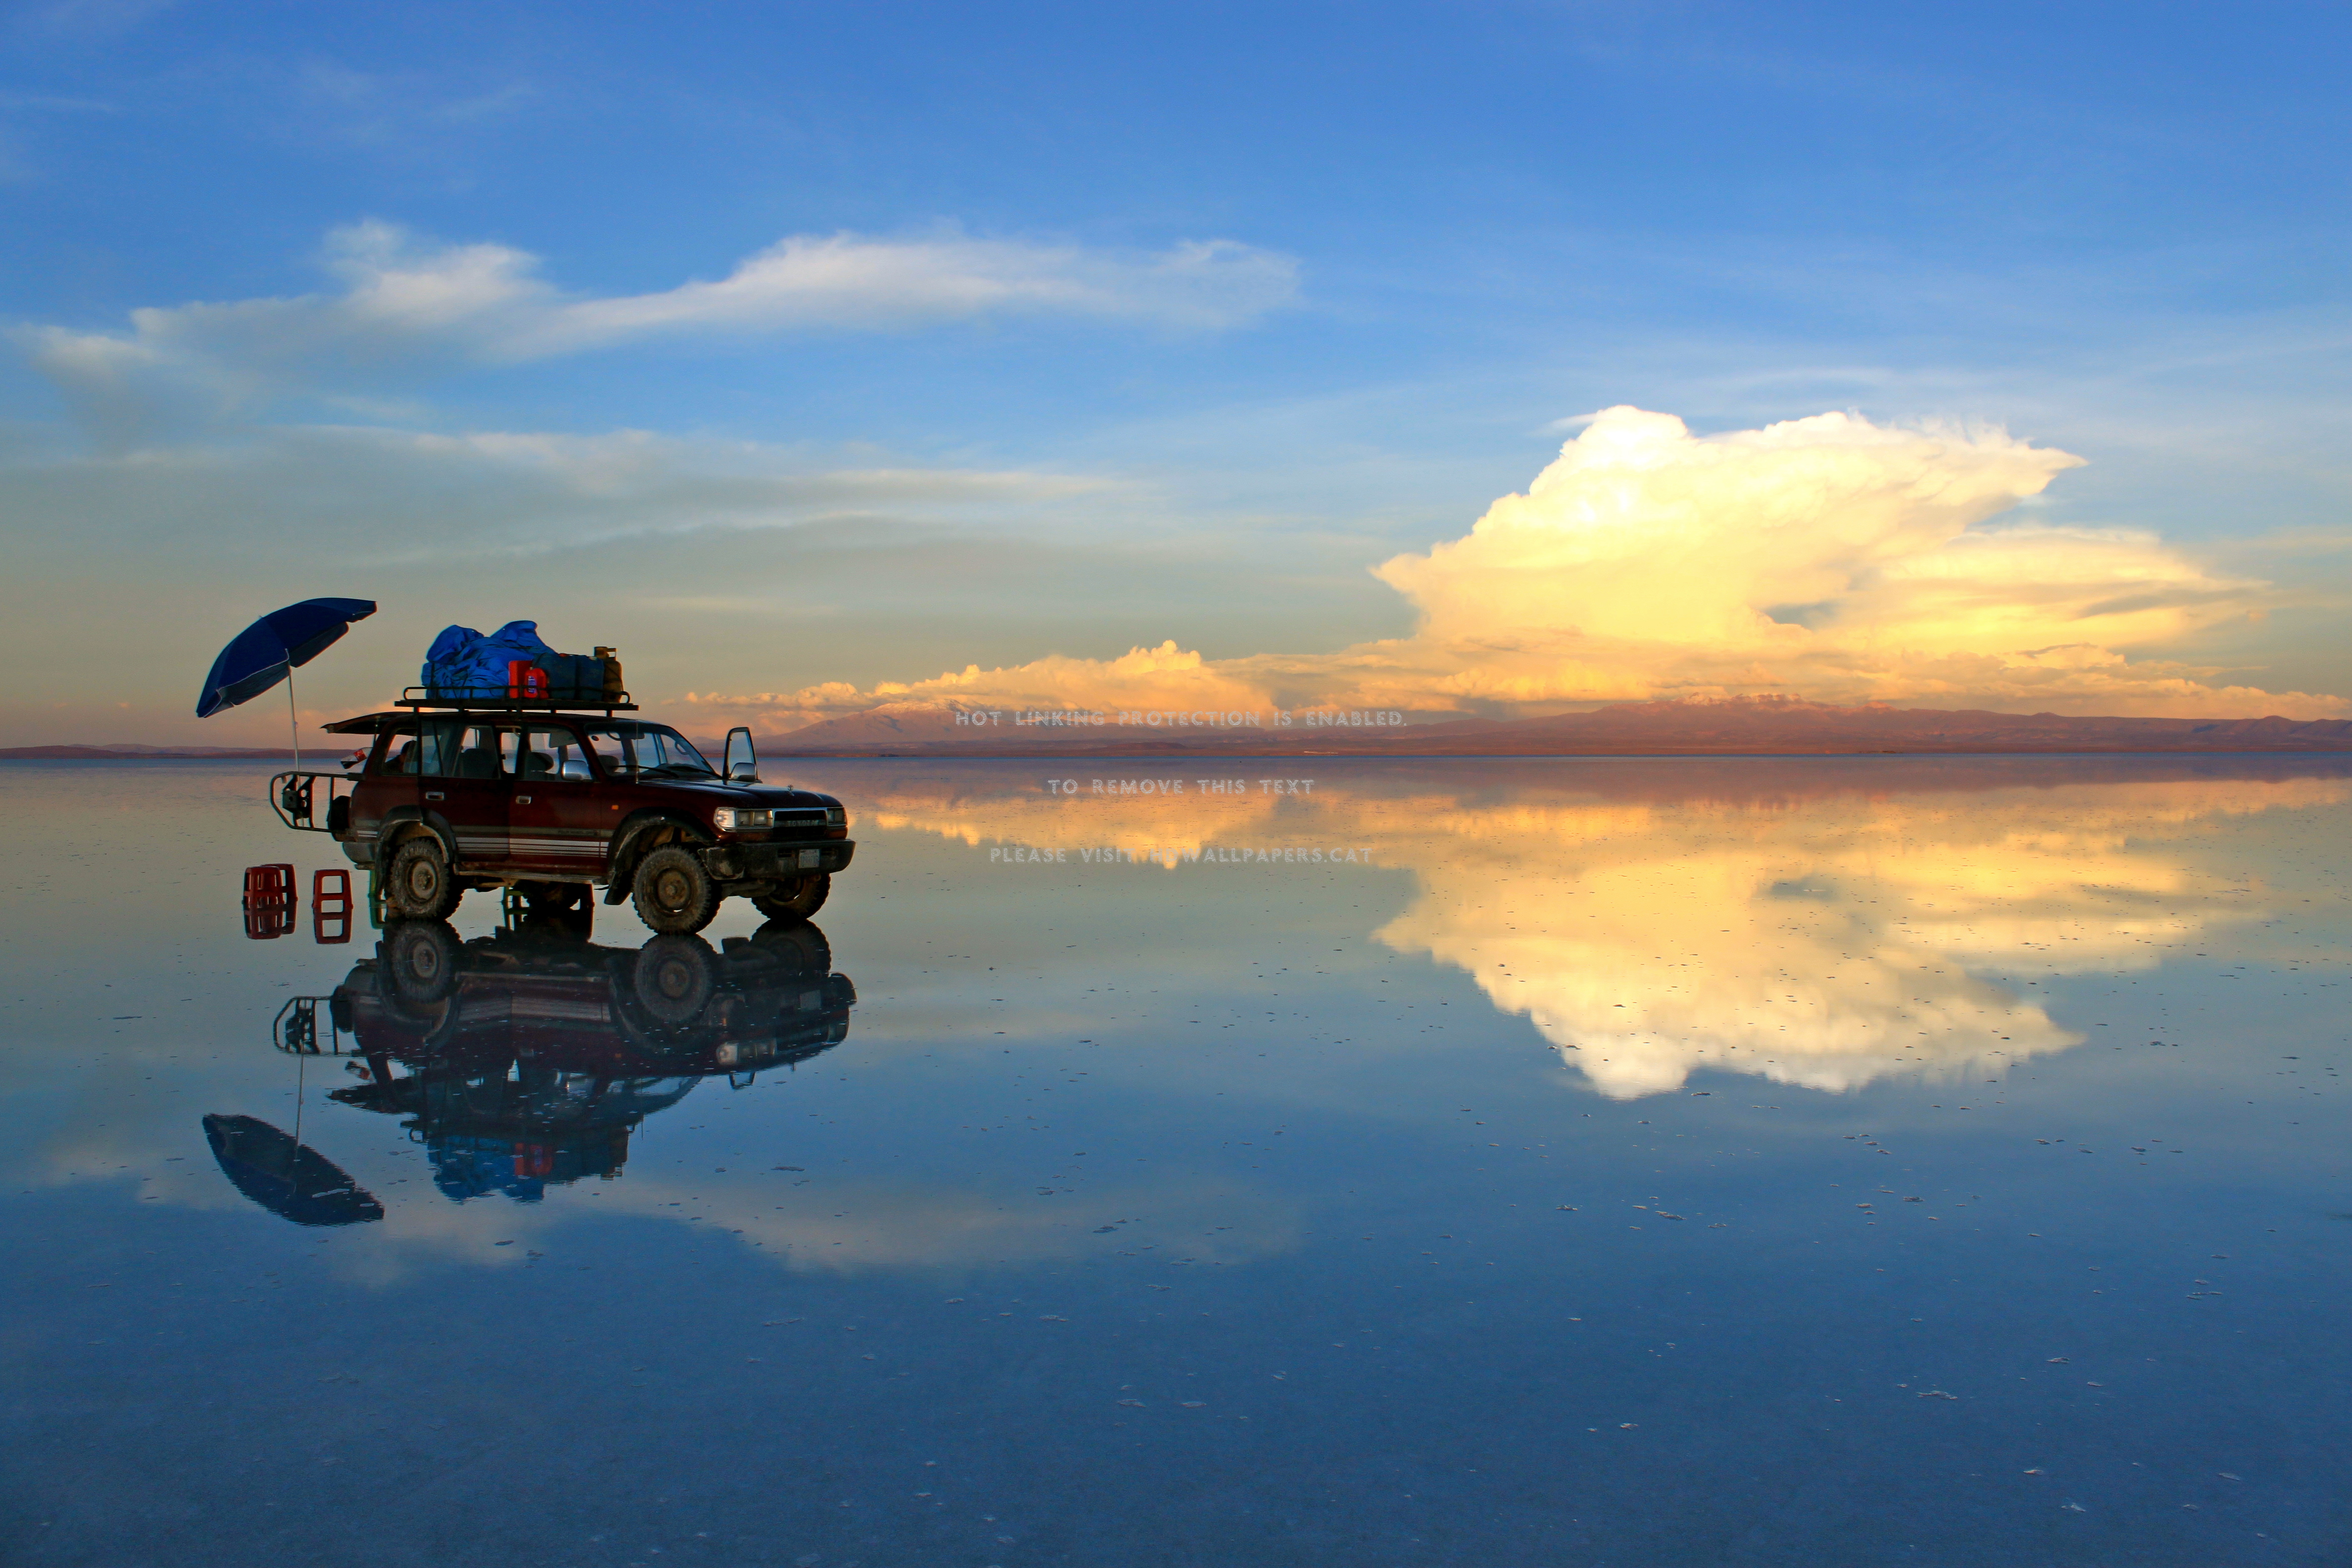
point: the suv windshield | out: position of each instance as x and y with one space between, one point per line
646 750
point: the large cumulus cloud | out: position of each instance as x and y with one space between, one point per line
1827 557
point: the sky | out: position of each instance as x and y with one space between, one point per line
1477 359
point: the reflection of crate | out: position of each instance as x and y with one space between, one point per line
330 906
269 901
266 921
269 887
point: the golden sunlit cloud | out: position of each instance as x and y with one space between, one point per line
1829 558
1822 937
1166 678
1822 944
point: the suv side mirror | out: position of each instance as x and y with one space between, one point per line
738 746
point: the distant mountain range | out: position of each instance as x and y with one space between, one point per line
1702 726
131 753
1686 727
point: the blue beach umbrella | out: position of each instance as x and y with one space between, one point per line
266 652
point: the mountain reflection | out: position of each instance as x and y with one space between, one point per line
526 1058
1814 922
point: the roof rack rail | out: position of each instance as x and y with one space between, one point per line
415 697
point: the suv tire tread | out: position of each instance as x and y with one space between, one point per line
799 901
437 899
674 893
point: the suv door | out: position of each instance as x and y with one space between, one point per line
557 822
460 780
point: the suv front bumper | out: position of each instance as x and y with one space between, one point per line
771 862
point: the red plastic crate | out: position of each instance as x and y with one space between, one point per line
330 906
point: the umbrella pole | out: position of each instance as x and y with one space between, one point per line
293 723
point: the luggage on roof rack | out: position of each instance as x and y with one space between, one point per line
512 664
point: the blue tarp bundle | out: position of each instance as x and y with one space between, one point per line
462 663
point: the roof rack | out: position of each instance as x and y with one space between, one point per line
609 703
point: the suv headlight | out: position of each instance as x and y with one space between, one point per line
835 817
737 820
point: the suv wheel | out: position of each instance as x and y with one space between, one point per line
675 976
674 893
419 885
795 901
797 946
424 957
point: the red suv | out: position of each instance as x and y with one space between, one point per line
514 793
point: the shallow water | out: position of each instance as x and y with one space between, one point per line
1591 1162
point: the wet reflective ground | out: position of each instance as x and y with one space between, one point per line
1889 1160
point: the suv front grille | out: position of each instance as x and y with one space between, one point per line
813 817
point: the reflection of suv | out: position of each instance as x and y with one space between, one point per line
544 998
526 1058
517 793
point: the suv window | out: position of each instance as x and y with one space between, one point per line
397 754
546 754
453 749
650 751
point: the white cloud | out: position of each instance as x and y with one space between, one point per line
1165 677
403 301
695 555
1827 557
847 280
376 496
396 112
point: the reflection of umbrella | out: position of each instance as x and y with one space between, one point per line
266 653
285 1177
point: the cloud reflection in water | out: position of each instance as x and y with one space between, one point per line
1821 924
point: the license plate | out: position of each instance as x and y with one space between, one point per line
812 858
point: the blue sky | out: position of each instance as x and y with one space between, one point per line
1136 323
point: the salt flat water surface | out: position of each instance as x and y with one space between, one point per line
1740 1161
